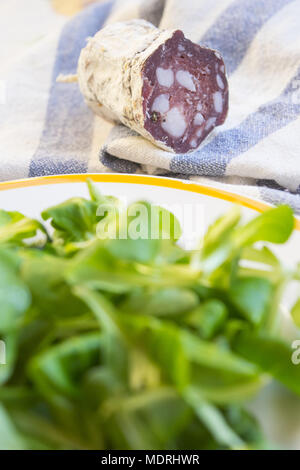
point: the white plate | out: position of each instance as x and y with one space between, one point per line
196 206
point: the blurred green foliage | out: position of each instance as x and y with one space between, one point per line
137 343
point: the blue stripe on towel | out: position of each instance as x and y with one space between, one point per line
213 158
68 128
235 29
277 197
120 165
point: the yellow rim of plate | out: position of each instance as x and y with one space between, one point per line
145 180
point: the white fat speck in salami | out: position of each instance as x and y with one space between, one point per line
168 89
161 104
218 101
210 123
185 79
220 82
199 119
174 123
165 77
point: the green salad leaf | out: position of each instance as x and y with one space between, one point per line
296 313
15 227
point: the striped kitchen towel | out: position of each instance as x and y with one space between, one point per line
47 129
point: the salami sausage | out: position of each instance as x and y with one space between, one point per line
159 83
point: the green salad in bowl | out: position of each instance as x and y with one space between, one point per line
134 342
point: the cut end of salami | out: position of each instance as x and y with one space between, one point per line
185 93
170 90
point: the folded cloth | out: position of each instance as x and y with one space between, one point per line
47 129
